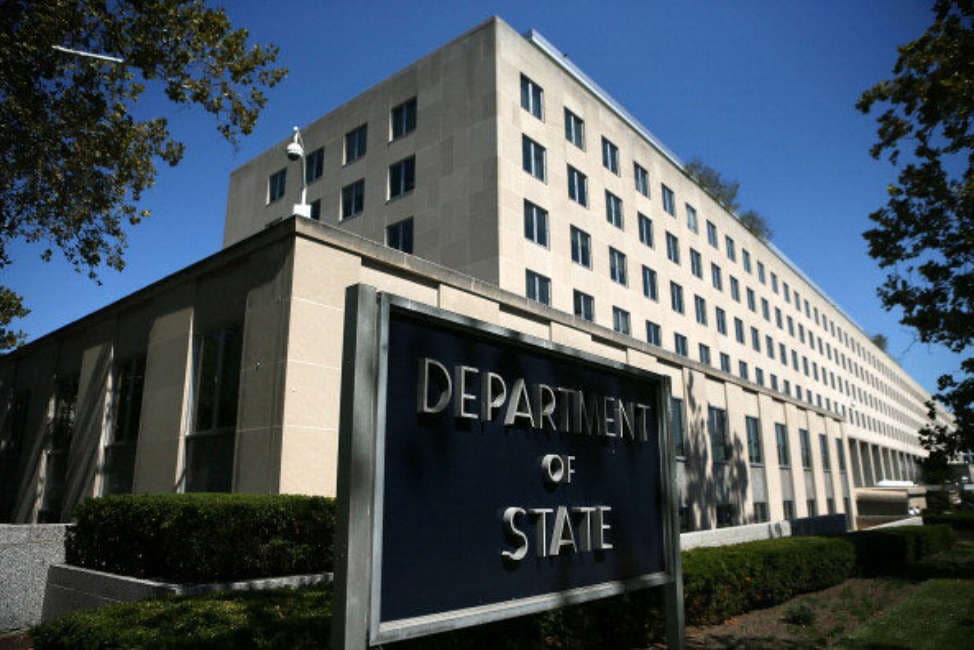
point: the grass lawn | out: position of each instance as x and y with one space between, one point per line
939 614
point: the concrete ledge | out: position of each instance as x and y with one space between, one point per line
734 535
26 552
71 588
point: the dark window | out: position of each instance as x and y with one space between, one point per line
620 320
532 97
538 287
584 306
535 223
314 165
353 199
649 284
781 439
581 247
316 210
404 119
533 157
610 156
209 447
754 448
276 185
653 333
669 202
126 408
642 179
574 129
676 422
400 235
355 143
645 229
717 428
577 186
613 209
402 177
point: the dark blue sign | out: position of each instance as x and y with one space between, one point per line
511 471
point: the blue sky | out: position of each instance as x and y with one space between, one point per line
763 91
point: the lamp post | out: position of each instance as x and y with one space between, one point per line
295 151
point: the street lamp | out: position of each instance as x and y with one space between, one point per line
295 151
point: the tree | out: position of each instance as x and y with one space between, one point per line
757 224
722 189
924 234
74 162
880 341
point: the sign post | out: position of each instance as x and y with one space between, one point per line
485 474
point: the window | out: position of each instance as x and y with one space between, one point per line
806 448
754 454
400 235
778 319
746 260
765 312
742 369
653 333
584 306
761 278
581 247
726 515
617 266
209 447
574 129
642 179
774 381
735 289
676 421
676 297
739 330
669 202
750 300
704 352
276 185
758 376
610 156
680 344
355 143
712 234
538 287
781 440
620 320
840 455
696 266
316 209
613 209
725 362
129 378
721 319
12 438
533 157
716 278
532 97
729 245
353 199
577 186
649 284
645 229
774 282
314 165
717 428
700 309
789 507
672 248
402 177
535 224
761 512
784 286
691 218
824 444
812 507
404 119
755 339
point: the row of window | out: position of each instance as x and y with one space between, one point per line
532 100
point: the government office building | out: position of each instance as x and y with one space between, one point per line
494 179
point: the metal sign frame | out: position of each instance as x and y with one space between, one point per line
361 467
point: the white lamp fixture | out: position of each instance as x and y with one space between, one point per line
295 151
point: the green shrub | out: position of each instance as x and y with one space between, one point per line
800 614
723 581
891 551
203 537
960 520
280 618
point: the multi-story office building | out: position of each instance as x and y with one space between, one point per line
524 195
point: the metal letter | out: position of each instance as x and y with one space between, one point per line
643 421
627 416
600 527
569 463
554 468
610 418
422 392
511 527
519 395
563 523
460 404
488 399
542 534
585 530
544 407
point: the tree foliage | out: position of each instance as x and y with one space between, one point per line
74 161
757 224
924 235
880 341
724 190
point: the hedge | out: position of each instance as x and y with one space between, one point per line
203 537
961 520
723 581
281 618
892 551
